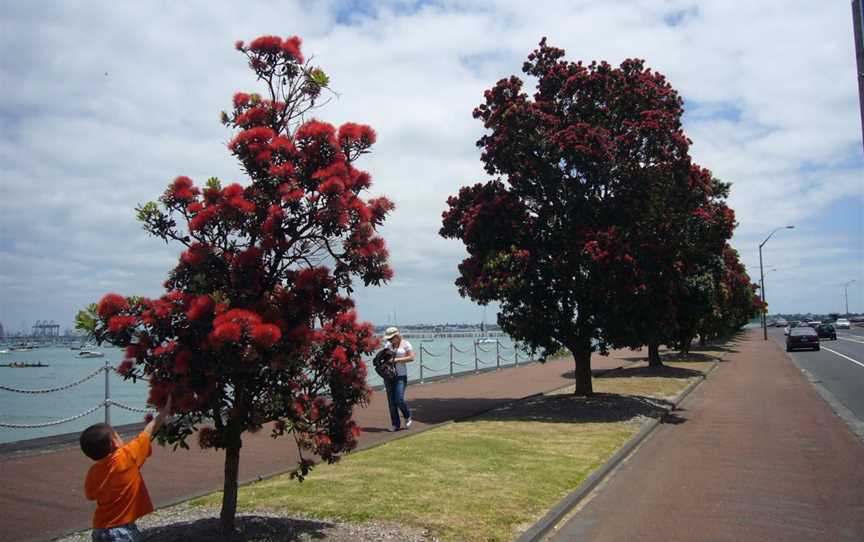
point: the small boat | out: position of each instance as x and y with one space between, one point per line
90 354
486 340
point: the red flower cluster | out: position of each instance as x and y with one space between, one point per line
112 304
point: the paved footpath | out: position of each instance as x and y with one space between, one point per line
756 455
41 495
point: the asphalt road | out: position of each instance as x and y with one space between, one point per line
838 365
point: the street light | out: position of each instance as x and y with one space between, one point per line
846 293
762 281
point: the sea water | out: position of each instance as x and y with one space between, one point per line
65 367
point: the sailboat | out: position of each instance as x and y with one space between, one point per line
483 330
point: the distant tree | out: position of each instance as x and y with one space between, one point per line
677 239
552 237
256 325
738 301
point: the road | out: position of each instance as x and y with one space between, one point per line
838 366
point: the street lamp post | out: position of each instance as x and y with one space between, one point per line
762 281
846 294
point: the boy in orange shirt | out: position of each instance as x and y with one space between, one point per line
115 481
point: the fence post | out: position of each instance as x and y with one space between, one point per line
476 366
516 353
421 363
107 392
451 359
497 355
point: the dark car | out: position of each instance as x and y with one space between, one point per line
826 331
802 337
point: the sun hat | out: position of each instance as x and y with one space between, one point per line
391 332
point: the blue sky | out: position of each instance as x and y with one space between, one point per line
106 102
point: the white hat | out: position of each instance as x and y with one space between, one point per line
390 332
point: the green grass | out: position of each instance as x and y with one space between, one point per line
484 479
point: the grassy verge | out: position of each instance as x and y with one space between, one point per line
488 478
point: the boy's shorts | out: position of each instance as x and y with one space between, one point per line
121 533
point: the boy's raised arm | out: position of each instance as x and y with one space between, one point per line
159 419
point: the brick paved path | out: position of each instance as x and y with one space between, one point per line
756 455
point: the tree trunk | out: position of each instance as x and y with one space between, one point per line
702 340
685 344
654 355
229 488
581 350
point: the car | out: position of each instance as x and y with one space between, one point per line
802 337
790 325
780 322
814 323
842 323
826 331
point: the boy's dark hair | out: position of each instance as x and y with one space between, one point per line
96 441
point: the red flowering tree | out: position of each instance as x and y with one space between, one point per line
554 236
735 300
677 238
256 325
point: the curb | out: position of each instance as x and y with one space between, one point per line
547 523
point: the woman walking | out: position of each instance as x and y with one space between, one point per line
403 353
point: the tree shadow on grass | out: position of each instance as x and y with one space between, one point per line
249 528
664 371
566 408
677 357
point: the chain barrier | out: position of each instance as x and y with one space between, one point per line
108 369
423 348
52 390
480 348
457 350
461 364
131 408
48 424
433 370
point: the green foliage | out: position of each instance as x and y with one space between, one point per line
87 319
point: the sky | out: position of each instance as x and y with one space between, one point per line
104 103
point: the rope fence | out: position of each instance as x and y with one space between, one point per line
477 361
106 403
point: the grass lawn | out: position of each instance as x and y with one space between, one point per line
487 478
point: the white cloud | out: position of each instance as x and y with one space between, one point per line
105 102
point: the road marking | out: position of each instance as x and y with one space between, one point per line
850 339
844 356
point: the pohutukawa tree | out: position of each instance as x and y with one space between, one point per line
552 237
677 237
256 325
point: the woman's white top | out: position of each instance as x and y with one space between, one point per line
401 351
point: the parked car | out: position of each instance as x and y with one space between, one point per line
802 337
780 322
814 323
842 323
826 331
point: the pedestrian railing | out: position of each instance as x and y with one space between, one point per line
478 362
106 403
